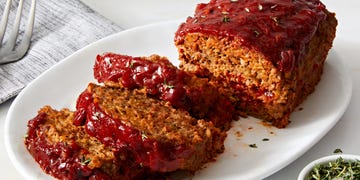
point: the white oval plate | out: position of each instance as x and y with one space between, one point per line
61 84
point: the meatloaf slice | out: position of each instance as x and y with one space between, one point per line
159 136
163 80
66 151
266 55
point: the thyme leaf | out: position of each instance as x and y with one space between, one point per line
143 136
337 151
253 145
257 33
226 19
84 161
166 85
132 64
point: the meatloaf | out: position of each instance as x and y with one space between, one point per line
163 80
159 136
66 151
267 56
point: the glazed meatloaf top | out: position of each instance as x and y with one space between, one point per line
161 79
279 29
159 136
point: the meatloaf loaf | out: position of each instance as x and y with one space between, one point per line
159 136
163 80
267 56
66 151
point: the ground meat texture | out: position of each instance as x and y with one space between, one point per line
159 136
266 56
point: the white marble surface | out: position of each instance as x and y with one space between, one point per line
344 135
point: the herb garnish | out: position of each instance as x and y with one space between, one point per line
253 145
166 85
337 151
132 64
226 19
338 169
143 136
257 33
265 139
84 161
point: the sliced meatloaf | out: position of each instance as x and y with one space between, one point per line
159 136
163 80
266 55
66 151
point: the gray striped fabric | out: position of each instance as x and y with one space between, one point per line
61 28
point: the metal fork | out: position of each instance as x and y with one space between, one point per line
10 52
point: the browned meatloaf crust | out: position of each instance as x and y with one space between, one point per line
159 136
267 55
163 80
66 151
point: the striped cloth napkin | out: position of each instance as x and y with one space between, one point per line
61 28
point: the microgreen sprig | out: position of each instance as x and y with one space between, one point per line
338 169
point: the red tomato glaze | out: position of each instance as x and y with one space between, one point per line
61 160
161 79
158 156
279 29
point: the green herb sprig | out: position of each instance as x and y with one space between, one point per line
84 161
338 169
166 85
253 145
338 150
225 19
143 136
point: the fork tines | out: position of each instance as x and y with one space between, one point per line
9 51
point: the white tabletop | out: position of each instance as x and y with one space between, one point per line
345 135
